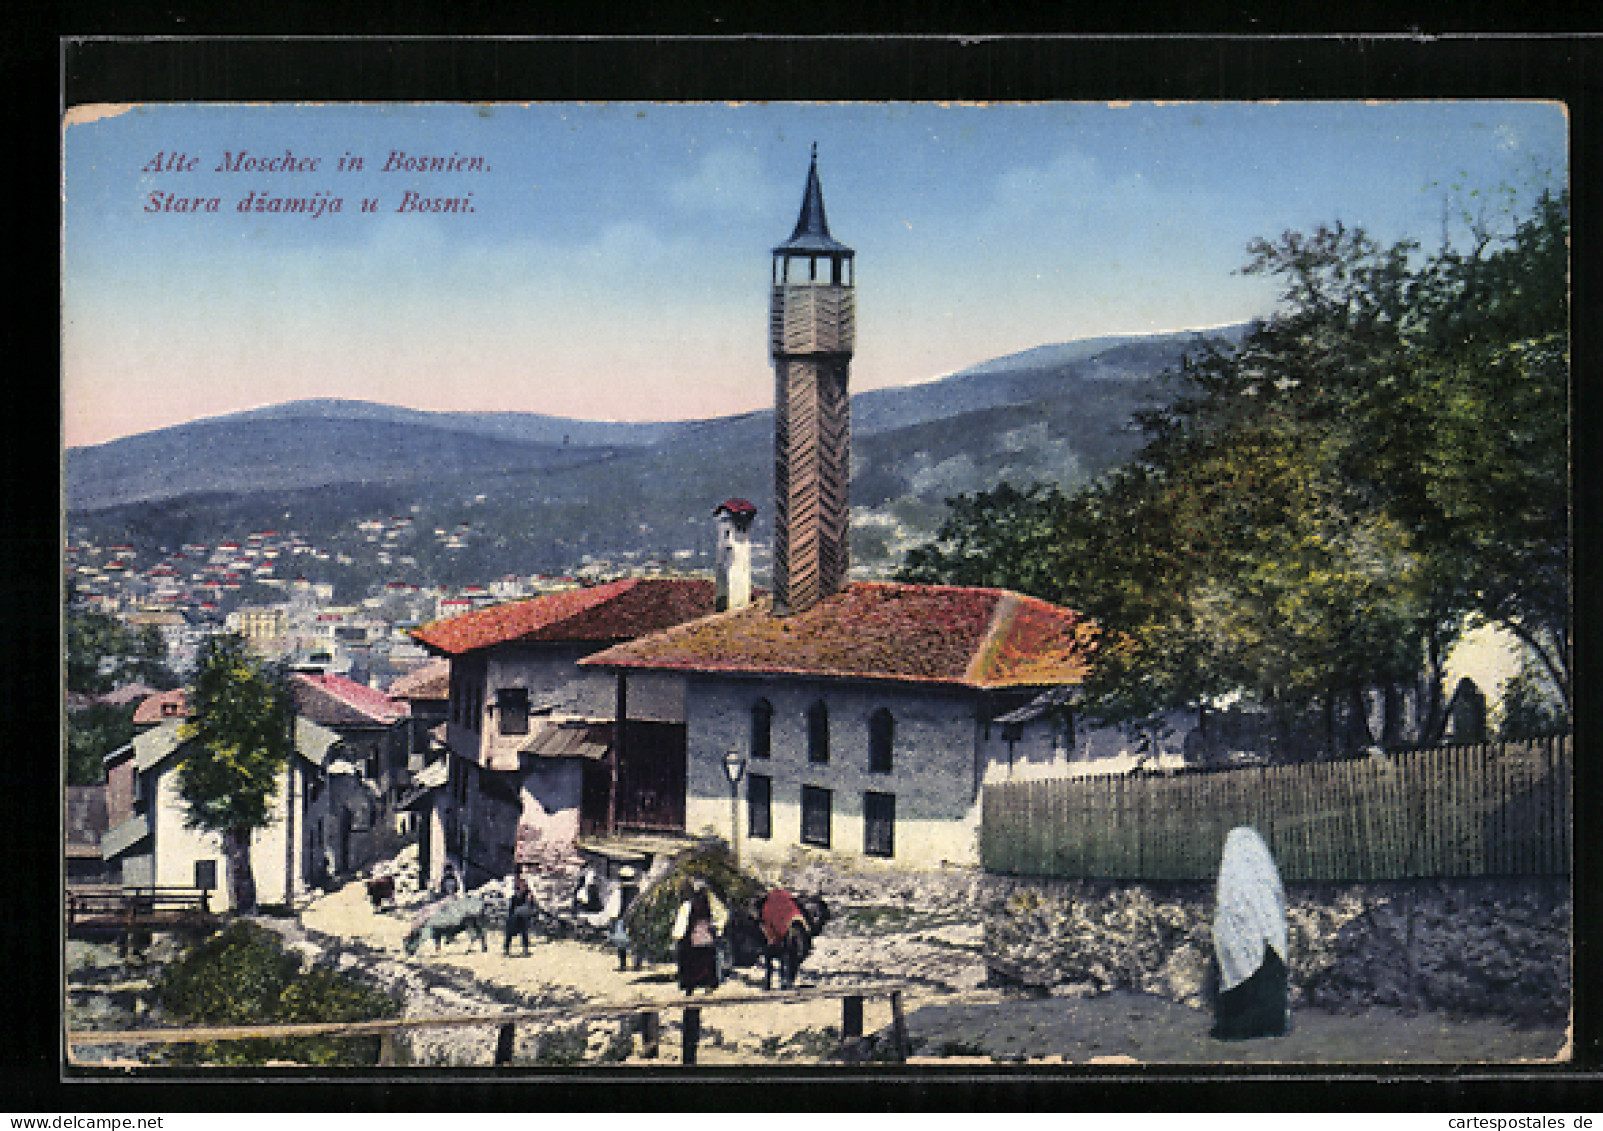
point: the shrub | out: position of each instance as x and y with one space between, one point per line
243 976
563 1046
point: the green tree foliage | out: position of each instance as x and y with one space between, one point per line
92 733
239 734
103 653
243 976
1325 506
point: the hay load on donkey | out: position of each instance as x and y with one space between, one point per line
749 901
650 918
776 927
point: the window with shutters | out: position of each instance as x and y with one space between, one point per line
815 816
512 708
759 806
879 824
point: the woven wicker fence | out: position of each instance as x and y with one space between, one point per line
1501 809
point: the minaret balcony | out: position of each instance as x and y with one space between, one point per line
806 319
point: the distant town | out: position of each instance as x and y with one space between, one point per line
266 586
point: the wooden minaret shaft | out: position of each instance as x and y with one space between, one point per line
812 480
812 333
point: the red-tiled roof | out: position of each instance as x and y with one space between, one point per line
619 610
429 681
333 700
127 693
172 704
880 630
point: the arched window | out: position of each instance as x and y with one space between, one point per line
818 732
881 738
762 728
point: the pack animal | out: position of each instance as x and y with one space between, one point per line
446 920
777 927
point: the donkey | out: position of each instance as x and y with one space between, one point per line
777 926
444 921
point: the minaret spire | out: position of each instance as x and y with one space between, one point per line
812 332
812 225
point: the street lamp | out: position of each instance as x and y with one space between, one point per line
734 767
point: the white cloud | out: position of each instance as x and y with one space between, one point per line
1068 193
726 180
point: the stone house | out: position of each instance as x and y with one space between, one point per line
534 757
863 727
148 842
377 746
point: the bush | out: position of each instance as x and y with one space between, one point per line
242 976
563 1047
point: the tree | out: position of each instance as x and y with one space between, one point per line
92 733
1449 414
1325 506
103 653
239 734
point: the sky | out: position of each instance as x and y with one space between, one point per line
611 261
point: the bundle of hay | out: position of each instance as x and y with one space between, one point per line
649 920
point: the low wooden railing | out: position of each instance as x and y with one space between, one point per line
138 907
647 1023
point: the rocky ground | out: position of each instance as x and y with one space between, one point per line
924 932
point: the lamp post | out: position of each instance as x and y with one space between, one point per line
734 767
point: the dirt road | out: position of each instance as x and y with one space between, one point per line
950 1015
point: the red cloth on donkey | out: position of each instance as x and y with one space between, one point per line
780 910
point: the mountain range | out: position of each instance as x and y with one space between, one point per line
542 490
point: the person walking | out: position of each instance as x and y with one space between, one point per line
1250 940
695 934
520 907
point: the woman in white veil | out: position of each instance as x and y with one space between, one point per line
1249 941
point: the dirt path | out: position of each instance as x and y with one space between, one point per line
949 1013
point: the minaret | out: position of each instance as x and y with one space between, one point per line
812 329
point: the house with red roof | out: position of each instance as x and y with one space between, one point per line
534 760
336 810
865 725
376 743
426 690
162 706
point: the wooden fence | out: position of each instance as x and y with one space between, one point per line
1501 809
642 1019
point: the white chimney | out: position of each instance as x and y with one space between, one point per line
732 587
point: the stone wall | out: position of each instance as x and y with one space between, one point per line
1466 946
1486 947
